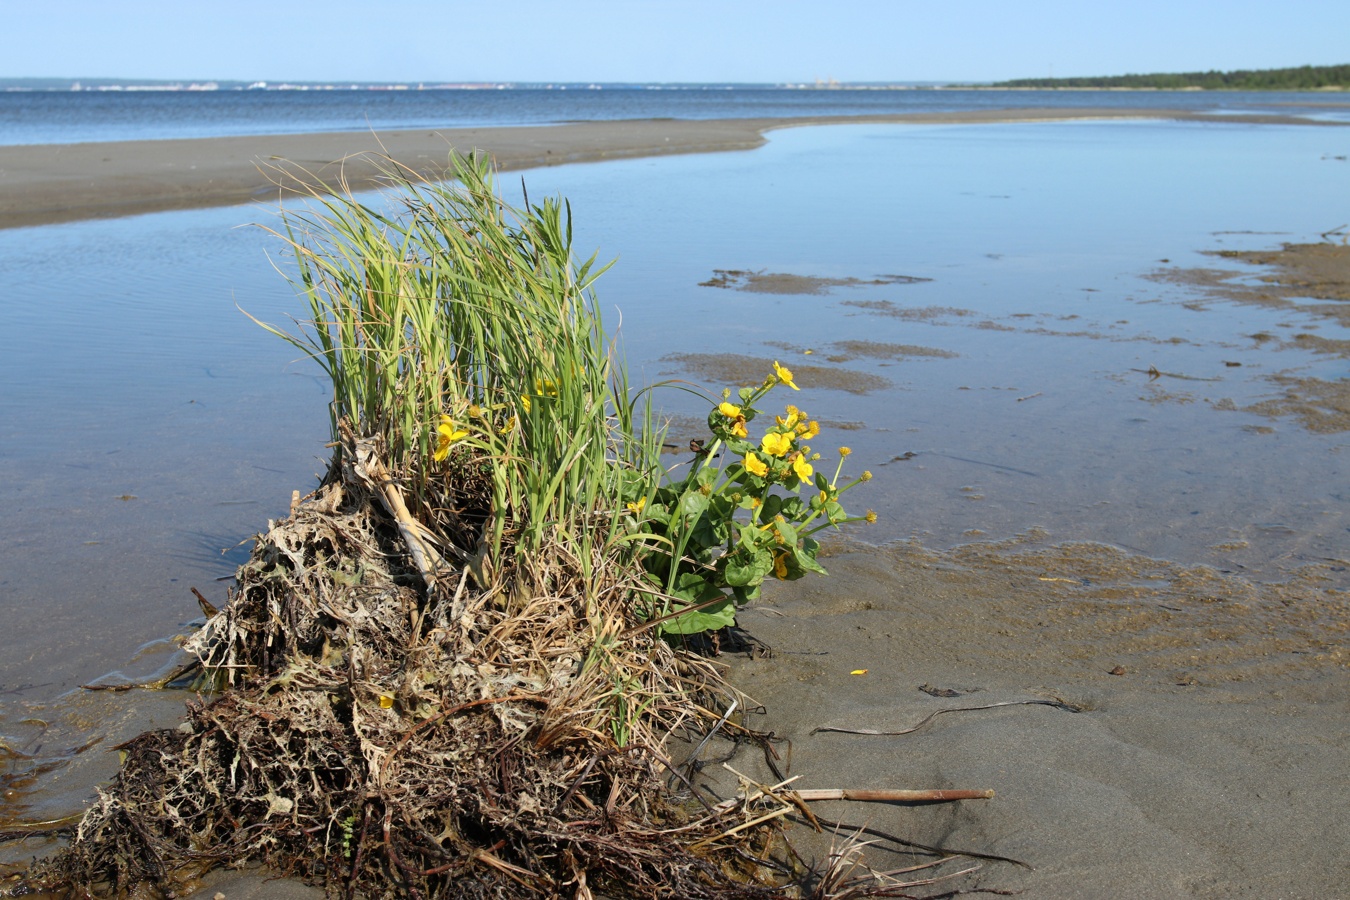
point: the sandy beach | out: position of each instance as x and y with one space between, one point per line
41 184
1154 730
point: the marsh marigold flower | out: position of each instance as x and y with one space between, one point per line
636 507
730 410
755 466
784 375
780 569
803 468
776 444
446 434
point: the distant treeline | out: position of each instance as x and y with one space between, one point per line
1303 78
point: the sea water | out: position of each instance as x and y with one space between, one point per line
148 427
61 117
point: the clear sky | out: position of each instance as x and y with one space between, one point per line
661 40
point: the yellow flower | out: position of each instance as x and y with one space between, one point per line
446 434
475 410
733 412
809 430
803 468
776 444
755 466
794 415
780 569
844 451
636 508
866 476
871 517
784 375
545 388
525 402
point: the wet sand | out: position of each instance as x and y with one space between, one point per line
41 184
1208 759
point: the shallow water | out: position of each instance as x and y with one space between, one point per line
61 117
148 427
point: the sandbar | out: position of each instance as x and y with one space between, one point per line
46 183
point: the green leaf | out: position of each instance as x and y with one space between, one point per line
744 570
787 533
692 505
707 477
711 530
744 595
793 509
805 557
719 615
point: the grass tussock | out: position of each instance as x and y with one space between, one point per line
438 677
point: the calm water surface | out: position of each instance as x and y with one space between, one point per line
61 117
147 427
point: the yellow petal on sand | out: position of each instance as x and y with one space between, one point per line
858 672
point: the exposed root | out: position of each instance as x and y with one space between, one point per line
386 741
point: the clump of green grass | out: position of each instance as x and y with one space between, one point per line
461 333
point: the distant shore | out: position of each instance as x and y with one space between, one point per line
43 184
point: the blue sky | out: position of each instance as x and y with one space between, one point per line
661 40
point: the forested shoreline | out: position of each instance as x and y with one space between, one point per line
1302 78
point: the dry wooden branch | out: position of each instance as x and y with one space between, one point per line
893 796
1057 704
367 465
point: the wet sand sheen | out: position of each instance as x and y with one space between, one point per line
41 184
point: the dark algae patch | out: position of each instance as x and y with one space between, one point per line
1292 273
1320 406
780 283
1295 271
917 313
882 350
745 371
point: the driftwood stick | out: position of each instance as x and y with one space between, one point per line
1057 704
893 796
366 463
